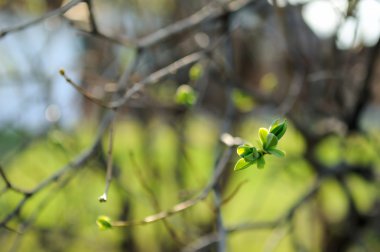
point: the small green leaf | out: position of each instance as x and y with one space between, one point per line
244 150
185 95
261 162
274 124
276 152
278 128
104 222
251 157
242 164
271 141
263 133
195 72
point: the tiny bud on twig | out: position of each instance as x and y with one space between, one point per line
103 198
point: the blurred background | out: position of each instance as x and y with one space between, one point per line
244 64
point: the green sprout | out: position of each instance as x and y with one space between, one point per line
185 95
269 138
104 222
195 72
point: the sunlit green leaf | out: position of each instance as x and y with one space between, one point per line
263 133
242 164
243 150
278 128
247 152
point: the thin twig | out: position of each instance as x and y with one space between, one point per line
154 200
234 192
276 237
246 226
210 239
292 95
14 212
82 91
94 27
36 212
79 161
209 12
124 81
11 229
152 78
8 184
365 92
55 12
302 200
122 41
6 180
104 196
220 167
157 76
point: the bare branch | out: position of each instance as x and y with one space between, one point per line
55 12
207 13
121 40
154 200
94 27
276 237
234 192
302 200
220 167
36 212
210 239
293 94
157 76
79 161
8 184
6 180
365 92
82 90
151 79
104 196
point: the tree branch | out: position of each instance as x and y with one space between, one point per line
365 92
220 167
209 12
55 12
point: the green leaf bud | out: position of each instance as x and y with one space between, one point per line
263 133
185 95
278 128
271 141
104 222
243 164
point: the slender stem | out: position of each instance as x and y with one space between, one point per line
103 198
94 27
220 167
55 12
